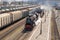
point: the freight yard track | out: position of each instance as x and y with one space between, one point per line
15 31
17 34
11 28
57 15
54 28
11 32
15 9
24 36
12 35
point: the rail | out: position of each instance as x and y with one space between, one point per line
15 9
11 28
54 29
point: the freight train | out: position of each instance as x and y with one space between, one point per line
10 17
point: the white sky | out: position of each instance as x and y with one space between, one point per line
15 0
29 0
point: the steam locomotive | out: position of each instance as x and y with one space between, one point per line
33 17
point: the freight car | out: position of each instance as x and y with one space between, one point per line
4 19
11 17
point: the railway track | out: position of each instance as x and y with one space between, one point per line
12 35
14 9
54 28
8 30
24 36
15 29
57 15
16 34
